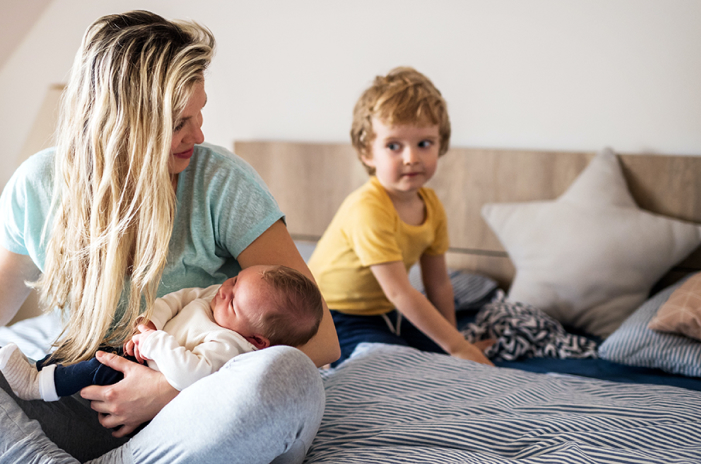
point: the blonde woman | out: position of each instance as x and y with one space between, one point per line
129 206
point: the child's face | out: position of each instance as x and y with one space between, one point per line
240 301
404 157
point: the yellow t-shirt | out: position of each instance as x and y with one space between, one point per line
365 231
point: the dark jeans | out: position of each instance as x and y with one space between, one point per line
353 330
71 379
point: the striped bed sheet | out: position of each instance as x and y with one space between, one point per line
390 404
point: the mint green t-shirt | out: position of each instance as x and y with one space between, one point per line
222 207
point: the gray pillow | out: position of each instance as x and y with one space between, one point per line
468 289
636 345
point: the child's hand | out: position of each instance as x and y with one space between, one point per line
484 344
470 352
140 338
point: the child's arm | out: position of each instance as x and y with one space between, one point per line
414 306
183 367
439 290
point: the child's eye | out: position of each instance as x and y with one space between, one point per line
394 146
425 143
180 125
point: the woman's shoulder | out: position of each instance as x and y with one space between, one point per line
25 203
211 156
33 178
216 166
214 154
38 166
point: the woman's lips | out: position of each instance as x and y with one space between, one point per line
185 154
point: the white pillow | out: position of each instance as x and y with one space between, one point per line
590 257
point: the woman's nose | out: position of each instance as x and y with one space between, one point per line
199 135
195 135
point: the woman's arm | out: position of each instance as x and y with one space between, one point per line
414 306
15 269
275 246
439 290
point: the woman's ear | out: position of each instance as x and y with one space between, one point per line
258 341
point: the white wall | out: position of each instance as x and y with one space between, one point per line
541 74
18 16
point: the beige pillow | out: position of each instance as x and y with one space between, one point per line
590 257
681 313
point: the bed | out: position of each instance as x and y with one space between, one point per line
636 401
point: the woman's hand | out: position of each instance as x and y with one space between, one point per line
132 401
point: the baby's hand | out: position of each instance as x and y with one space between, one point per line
129 345
148 325
140 338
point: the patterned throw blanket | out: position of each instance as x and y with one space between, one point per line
524 331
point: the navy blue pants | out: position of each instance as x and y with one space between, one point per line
353 330
71 379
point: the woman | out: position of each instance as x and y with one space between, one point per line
129 206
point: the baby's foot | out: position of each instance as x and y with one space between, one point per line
19 373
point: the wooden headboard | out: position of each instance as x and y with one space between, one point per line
311 180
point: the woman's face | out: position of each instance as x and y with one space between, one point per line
188 130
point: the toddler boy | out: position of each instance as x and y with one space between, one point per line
400 129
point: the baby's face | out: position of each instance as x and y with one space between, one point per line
241 300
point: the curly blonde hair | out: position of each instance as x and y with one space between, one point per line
114 203
403 96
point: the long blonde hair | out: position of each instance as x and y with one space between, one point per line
114 203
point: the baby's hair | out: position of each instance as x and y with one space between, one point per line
403 96
299 307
